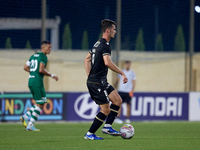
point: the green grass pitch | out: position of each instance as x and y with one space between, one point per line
69 136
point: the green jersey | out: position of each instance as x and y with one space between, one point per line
35 77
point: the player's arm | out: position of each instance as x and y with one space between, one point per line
131 93
113 67
27 66
45 72
87 62
117 82
133 82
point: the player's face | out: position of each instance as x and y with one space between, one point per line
127 66
112 31
47 48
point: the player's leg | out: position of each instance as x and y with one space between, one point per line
117 119
40 99
29 112
114 107
24 118
34 117
98 121
100 96
128 106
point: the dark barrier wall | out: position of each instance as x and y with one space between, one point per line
80 107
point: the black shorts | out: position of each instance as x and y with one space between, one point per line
125 97
99 91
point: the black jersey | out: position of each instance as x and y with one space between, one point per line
99 70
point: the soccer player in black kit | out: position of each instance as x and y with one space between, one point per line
97 62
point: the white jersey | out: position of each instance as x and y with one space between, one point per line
127 87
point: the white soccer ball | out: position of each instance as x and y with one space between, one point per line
127 131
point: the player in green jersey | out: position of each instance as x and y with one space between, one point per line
36 67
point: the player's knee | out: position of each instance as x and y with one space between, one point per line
105 111
118 102
40 105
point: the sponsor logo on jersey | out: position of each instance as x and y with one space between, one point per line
30 76
36 55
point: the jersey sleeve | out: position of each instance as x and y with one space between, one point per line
106 50
28 63
90 51
44 59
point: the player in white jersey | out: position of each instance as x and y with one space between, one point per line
126 90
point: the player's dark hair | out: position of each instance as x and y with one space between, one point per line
127 62
45 42
106 23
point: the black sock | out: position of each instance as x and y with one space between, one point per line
98 121
113 113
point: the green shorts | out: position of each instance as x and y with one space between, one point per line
39 94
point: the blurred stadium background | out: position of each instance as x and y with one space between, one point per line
160 38
154 35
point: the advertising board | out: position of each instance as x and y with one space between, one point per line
13 105
144 106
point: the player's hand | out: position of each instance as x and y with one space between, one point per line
131 94
54 77
125 79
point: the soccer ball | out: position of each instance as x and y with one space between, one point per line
127 131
